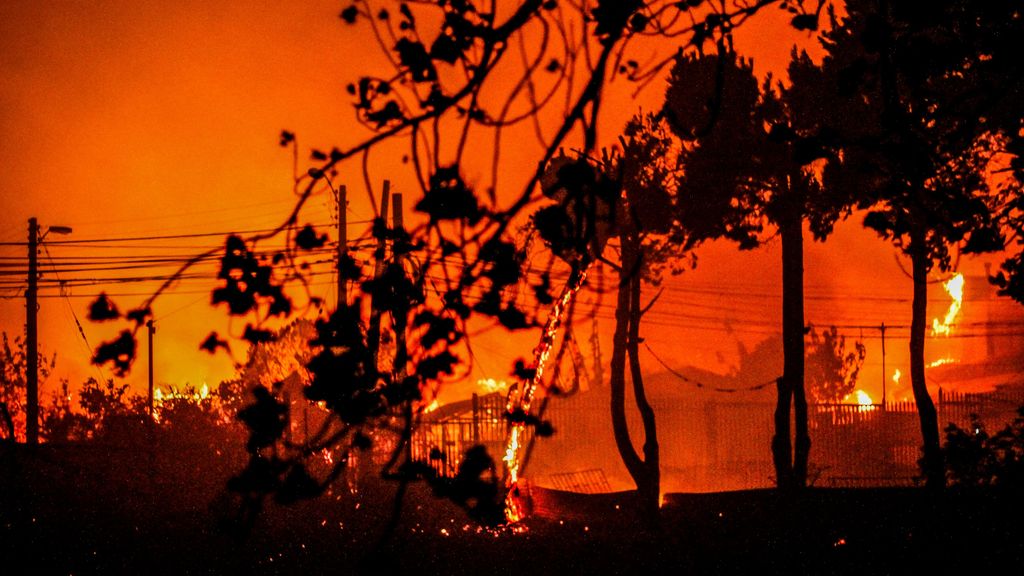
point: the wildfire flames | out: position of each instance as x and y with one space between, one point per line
941 361
864 400
955 288
189 394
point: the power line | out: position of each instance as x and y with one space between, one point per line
78 241
700 384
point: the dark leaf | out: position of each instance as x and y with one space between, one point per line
638 22
349 14
439 329
257 335
139 315
391 112
513 318
542 290
449 198
612 16
984 239
103 309
805 22
413 55
213 342
120 352
266 419
522 372
349 268
307 238
431 367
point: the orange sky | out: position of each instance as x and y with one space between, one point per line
125 118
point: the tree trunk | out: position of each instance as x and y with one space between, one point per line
649 487
790 454
644 471
931 463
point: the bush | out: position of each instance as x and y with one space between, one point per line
974 458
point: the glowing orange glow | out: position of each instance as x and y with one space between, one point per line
955 288
432 406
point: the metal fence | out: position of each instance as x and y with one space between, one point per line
707 445
446 433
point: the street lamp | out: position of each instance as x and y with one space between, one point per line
62 230
32 329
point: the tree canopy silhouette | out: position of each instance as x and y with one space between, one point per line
915 144
749 158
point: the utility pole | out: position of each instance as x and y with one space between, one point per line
400 321
32 337
380 229
151 330
32 329
884 377
342 244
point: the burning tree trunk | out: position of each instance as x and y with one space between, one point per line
932 464
644 471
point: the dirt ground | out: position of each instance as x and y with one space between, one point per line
93 510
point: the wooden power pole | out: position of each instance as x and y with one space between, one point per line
342 245
32 336
149 403
380 229
400 320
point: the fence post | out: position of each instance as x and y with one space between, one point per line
476 419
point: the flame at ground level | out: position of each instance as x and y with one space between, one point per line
861 398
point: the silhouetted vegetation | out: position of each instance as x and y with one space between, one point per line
889 121
975 458
832 371
13 367
915 144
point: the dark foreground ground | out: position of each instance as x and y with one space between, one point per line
91 510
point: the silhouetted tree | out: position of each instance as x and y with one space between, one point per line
748 162
908 114
13 367
628 196
832 371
